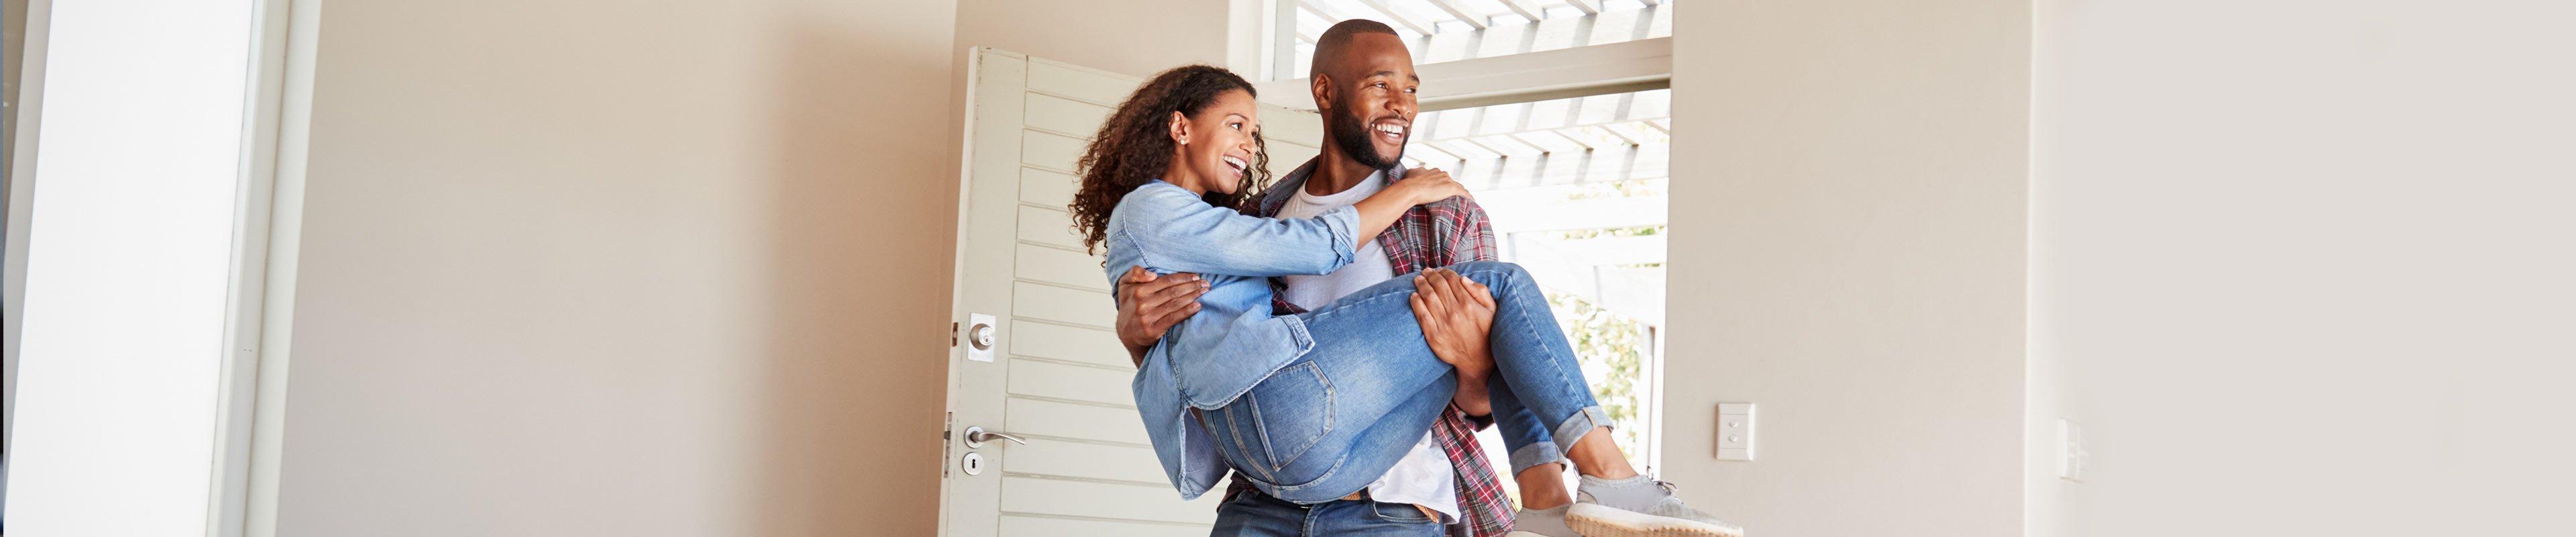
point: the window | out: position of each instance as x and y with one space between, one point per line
1452 30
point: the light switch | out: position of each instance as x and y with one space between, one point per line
1735 431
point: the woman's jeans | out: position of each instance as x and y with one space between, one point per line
1334 420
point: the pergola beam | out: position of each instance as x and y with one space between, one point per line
1420 27
1526 9
1460 12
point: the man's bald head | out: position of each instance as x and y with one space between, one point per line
1330 50
1363 82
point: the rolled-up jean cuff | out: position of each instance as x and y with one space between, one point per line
1527 456
1581 423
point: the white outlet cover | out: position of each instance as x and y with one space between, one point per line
1734 431
2070 450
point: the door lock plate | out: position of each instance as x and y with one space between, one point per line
981 334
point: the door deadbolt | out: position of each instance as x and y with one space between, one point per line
981 332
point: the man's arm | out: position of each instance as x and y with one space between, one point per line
1463 234
1149 305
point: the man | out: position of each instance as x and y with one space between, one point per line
1364 83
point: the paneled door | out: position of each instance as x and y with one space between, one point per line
1035 366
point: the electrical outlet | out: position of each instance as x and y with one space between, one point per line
2070 450
1735 431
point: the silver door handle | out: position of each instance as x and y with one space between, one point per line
976 436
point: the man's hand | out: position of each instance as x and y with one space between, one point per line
1149 305
1456 316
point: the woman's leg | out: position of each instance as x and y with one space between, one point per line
1368 343
1322 451
1538 464
1537 374
1532 356
1335 419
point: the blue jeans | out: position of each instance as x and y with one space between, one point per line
1254 514
1335 419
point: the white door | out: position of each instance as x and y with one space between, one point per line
1053 373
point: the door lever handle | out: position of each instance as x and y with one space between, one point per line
976 436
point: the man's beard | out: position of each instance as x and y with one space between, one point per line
1351 135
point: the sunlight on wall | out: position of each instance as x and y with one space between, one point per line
128 255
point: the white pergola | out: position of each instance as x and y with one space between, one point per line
1540 106
1557 113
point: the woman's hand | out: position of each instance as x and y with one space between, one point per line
1426 185
1149 305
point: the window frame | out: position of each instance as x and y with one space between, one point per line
1263 43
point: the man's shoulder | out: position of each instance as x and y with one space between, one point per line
1459 209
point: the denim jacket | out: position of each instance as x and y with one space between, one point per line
1235 340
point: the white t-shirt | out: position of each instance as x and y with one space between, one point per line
1423 476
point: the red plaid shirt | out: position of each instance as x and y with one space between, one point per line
1434 235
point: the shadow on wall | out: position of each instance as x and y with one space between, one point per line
862 209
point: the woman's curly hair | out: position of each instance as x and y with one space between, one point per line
1135 146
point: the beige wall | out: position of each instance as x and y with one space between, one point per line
588 267
1849 193
2301 268
1135 37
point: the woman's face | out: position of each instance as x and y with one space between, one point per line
1216 144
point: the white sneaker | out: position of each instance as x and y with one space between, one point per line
1639 507
1541 523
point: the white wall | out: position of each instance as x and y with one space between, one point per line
1848 206
2301 268
590 267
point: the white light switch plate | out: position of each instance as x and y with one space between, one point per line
1735 431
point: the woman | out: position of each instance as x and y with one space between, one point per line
1312 407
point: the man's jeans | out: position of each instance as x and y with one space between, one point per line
1254 514
1335 419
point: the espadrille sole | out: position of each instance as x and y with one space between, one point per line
1596 520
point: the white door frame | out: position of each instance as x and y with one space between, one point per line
1627 66
267 236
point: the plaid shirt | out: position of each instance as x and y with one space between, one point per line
1433 235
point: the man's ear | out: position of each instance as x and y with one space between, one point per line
1322 88
1180 128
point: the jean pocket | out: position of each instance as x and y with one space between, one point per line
1291 411
1400 513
